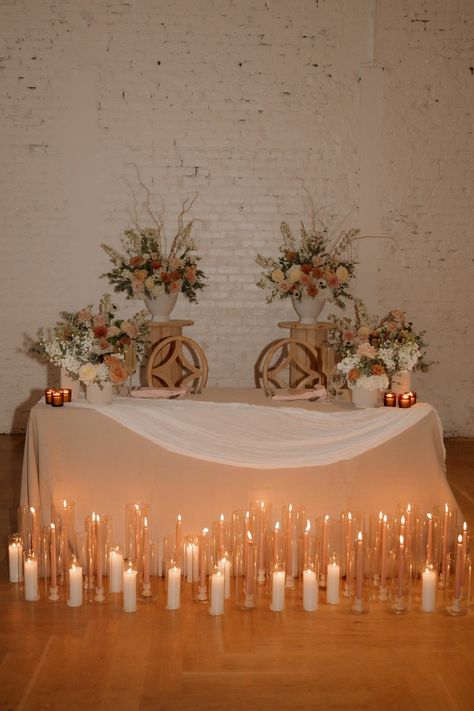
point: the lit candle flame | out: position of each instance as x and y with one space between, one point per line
277 526
359 536
459 538
429 516
402 520
205 531
385 519
446 507
402 540
32 509
249 536
179 517
64 504
53 527
308 525
349 516
326 518
221 518
145 522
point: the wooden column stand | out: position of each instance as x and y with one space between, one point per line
164 329
313 334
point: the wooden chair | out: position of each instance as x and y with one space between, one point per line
298 357
177 361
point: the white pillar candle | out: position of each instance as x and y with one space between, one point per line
15 560
116 571
310 591
332 584
146 552
174 588
53 556
31 580
216 606
428 590
129 583
224 567
278 591
75 586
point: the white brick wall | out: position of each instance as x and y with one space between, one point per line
248 103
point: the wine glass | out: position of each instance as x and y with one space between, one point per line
130 362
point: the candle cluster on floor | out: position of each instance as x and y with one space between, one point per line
408 561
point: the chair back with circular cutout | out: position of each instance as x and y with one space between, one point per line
177 361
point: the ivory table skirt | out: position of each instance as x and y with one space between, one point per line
79 453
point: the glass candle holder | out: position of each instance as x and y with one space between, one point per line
44 553
328 541
98 531
400 581
390 399
15 557
146 586
262 516
350 523
217 592
191 558
201 588
359 606
57 398
444 523
129 587
237 542
458 581
67 394
294 522
75 583
29 526
48 396
385 567
135 514
63 515
404 400
30 572
249 579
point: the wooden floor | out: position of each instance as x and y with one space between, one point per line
98 657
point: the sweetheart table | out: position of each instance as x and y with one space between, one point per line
216 452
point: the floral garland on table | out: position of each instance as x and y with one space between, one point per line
91 346
147 270
310 268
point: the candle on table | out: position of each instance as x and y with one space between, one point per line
404 400
429 538
189 562
324 546
276 543
48 396
75 585
428 589
390 399
412 397
464 540
289 547
34 529
261 567
31 578
402 526
349 556
378 547
216 606
332 584
174 588
278 591
116 570
67 394
224 567
129 586
57 398
310 590
15 559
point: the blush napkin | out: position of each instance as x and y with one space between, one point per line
159 393
319 392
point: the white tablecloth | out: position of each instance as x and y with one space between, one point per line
80 453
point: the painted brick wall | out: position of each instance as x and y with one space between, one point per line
249 104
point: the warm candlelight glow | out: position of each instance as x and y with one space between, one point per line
460 538
277 526
308 525
359 536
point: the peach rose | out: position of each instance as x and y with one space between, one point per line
353 375
342 274
365 349
312 290
117 372
190 274
84 315
364 333
277 276
101 331
175 286
377 369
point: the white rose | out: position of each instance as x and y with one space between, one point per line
149 283
277 275
342 274
87 373
293 275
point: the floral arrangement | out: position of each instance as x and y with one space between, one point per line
90 346
371 351
147 269
309 268
400 347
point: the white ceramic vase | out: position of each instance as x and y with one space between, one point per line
99 396
161 307
363 398
401 382
73 385
309 308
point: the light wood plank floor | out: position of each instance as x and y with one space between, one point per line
98 657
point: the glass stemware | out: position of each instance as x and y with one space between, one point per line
130 362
